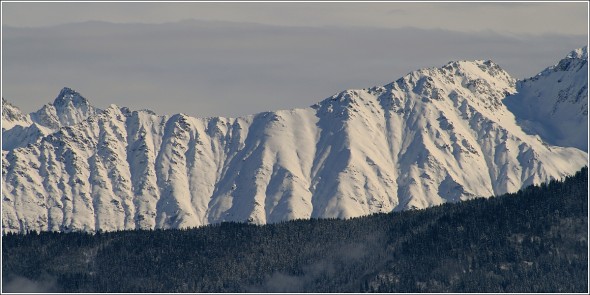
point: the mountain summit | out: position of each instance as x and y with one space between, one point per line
68 108
554 104
70 98
580 53
13 116
433 136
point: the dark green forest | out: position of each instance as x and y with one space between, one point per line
535 240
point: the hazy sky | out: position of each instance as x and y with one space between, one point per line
230 59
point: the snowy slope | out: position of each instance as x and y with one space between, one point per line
554 104
12 116
433 136
17 128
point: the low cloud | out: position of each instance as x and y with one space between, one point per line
281 282
18 284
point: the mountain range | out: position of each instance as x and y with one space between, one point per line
457 132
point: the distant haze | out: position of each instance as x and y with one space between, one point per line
237 59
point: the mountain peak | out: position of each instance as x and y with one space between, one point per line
554 103
581 53
468 69
68 108
576 60
483 80
67 90
12 116
67 95
6 103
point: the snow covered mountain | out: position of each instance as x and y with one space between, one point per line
554 104
12 116
69 108
17 128
433 136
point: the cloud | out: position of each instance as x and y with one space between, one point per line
211 68
281 282
18 284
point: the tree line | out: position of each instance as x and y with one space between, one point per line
535 240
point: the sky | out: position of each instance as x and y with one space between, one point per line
236 59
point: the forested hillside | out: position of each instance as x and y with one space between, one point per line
531 241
